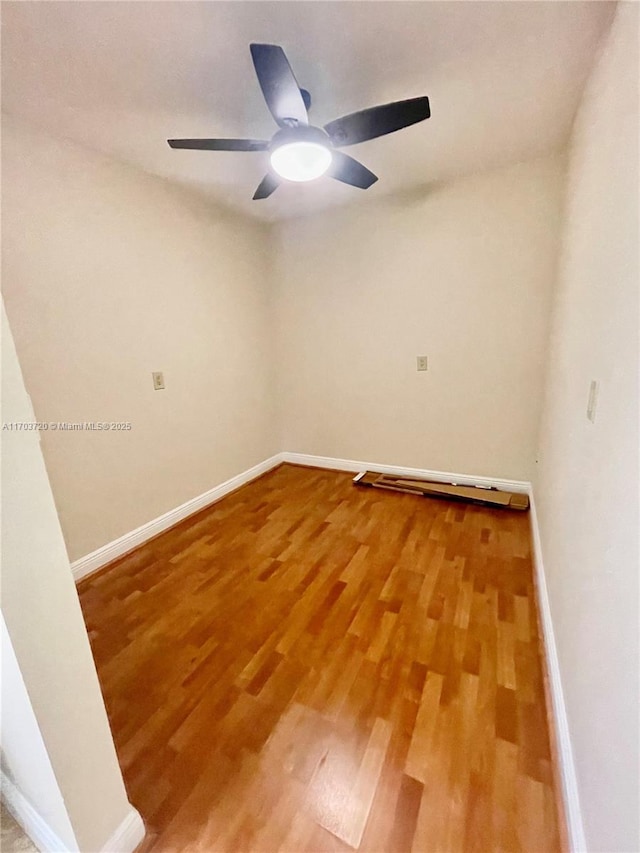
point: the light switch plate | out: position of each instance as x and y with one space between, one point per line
421 362
593 400
158 381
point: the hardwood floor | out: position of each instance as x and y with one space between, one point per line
308 666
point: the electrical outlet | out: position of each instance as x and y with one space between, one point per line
593 401
422 362
158 381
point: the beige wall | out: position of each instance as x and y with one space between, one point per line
44 621
587 488
108 275
462 274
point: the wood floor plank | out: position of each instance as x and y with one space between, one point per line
305 666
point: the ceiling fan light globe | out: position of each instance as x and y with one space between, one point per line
301 161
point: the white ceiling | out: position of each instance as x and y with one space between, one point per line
503 78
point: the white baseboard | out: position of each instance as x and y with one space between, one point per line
125 839
570 795
30 820
397 470
127 836
112 550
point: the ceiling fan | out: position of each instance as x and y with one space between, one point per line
298 150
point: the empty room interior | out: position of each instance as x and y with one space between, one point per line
320 442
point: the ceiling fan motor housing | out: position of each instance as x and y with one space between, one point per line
300 133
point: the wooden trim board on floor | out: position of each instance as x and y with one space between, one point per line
482 495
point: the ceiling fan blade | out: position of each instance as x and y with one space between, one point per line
269 184
279 86
377 121
349 171
220 144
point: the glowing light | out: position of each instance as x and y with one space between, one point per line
301 161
